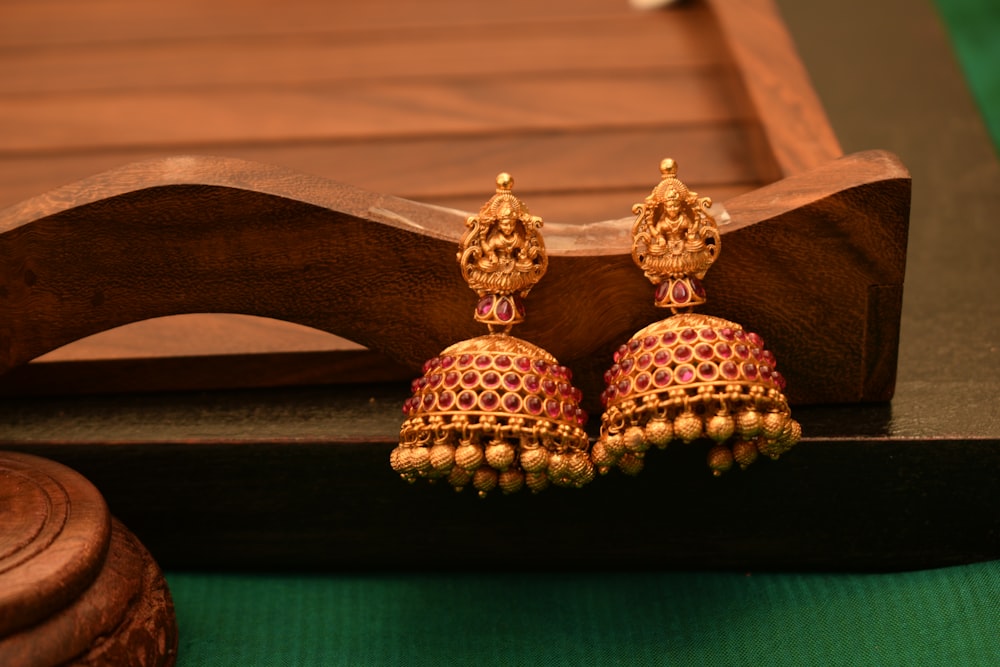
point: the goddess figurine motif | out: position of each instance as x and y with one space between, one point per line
675 240
502 255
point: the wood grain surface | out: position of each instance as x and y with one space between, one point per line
804 258
76 587
579 100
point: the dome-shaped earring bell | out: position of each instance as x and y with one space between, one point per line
691 376
496 411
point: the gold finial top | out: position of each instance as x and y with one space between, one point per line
675 240
502 255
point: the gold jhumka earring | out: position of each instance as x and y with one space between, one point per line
690 376
496 411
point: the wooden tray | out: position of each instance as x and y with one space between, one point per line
430 116
584 101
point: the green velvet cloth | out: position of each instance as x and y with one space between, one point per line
948 616
974 27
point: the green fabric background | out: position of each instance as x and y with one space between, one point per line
948 616
974 26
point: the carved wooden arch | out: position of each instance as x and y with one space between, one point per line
813 262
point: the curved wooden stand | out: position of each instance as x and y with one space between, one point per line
76 587
813 262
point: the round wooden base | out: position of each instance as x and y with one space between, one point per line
76 587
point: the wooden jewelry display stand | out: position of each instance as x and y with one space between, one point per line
276 453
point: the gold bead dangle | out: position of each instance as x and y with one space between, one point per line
496 411
690 377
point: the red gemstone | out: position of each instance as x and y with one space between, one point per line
505 310
669 338
661 291
684 374
679 292
707 371
765 371
485 305
523 364
491 379
489 400
428 401
470 379
446 400
531 383
451 379
627 365
447 362
699 289
483 361
642 382
512 381
704 351
662 357
519 305
466 400
634 345
569 411
755 339
726 333
553 408
431 364
581 417
779 380
708 334
502 362
649 342
742 351
689 335
683 353
565 389
662 377
434 380
644 360
577 395
533 405
624 387
729 370
511 402
749 371
541 366
768 358
723 350
465 360
549 386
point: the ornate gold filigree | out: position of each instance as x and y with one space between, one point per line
496 411
691 376
675 240
502 255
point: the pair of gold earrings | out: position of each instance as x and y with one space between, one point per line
499 412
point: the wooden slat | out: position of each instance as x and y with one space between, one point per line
797 133
439 168
573 46
30 23
362 111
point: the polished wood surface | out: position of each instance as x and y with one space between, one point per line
579 100
299 477
76 587
821 253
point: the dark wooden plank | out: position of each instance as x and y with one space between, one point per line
307 484
214 235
